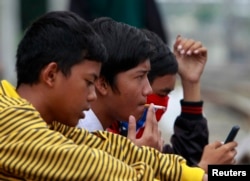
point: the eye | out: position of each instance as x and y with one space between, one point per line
140 77
89 82
165 93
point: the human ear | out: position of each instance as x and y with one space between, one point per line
101 85
48 74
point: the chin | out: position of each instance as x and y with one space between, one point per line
137 116
82 115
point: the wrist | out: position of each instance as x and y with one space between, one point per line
191 91
192 110
202 166
205 178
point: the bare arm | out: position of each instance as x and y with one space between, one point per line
192 57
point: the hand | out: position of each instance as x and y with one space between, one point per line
205 177
218 153
191 56
151 135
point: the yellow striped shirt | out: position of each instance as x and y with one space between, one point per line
30 149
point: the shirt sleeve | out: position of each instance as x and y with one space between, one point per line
33 150
190 133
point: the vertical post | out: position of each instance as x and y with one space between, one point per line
9 31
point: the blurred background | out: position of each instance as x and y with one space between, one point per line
223 26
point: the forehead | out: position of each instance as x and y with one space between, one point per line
143 67
87 67
164 83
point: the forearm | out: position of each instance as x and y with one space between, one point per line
191 91
52 157
164 166
42 154
190 132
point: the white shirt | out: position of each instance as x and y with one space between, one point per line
90 122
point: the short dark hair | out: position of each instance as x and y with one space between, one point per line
126 45
58 36
163 61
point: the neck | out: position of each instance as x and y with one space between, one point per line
102 113
33 95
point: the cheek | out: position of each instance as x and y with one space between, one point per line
130 97
124 104
132 94
77 94
72 98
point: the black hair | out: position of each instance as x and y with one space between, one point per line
58 36
126 45
163 61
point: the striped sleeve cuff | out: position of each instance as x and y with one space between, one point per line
192 110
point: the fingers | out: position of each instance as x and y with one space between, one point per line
189 46
228 146
151 122
232 155
217 144
161 144
233 162
151 135
231 145
177 42
201 51
229 150
219 153
234 152
131 128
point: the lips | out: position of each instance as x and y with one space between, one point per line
142 108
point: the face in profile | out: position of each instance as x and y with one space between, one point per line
133 86
162 86
75 92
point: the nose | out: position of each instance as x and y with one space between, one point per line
147 89
92 95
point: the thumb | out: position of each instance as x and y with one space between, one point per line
131 128
178 37
217 144
176 44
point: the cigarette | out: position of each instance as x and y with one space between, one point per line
156 106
